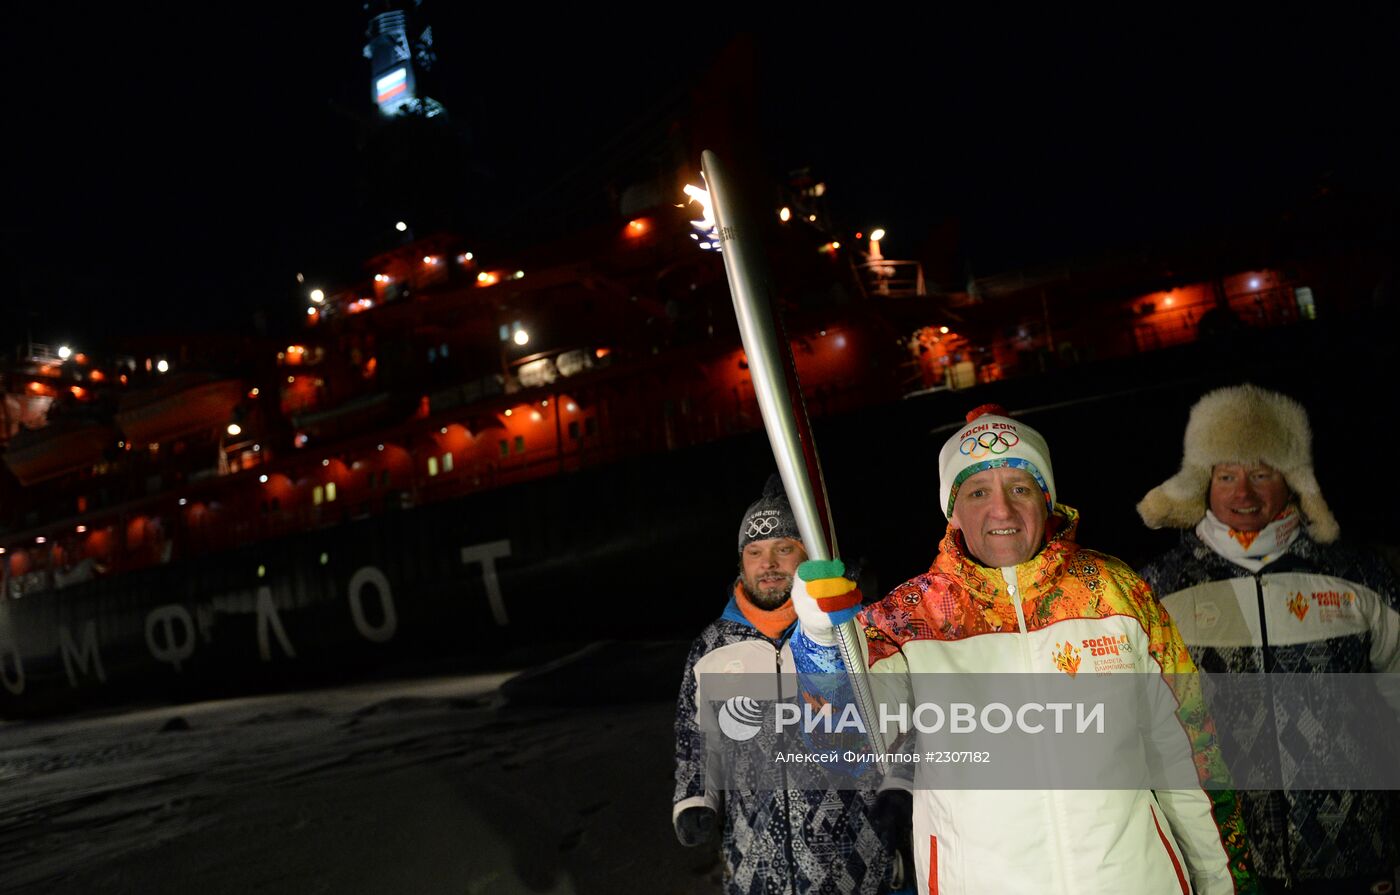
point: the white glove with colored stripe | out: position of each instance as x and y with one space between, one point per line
824 598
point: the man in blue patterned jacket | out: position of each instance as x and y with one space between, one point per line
774 840
1241 588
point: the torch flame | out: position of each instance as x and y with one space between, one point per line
701 195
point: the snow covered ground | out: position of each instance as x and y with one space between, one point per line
439 785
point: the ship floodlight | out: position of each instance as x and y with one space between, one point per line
263 478
521 337
163 366
65 352
571 407
41 540
943 330
785 214
877 234
311 312
442 431
380 447
1253 284
81 529
811 218
520 274
256 448
401 226
509 411
182 501
326 462
318 296
234 429
835 245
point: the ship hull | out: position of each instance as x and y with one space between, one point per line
635 549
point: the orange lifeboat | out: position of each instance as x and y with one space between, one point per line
184 404
63 446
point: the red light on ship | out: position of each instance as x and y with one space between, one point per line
97 376
638 227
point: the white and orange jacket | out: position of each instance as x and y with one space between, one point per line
1038 617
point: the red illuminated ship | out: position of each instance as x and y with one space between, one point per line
478 450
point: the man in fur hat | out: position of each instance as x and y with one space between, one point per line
806 842
1259 549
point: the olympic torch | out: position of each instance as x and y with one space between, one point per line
784 414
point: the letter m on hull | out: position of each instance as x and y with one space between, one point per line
81 657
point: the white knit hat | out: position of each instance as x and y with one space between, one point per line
989 440
1241 424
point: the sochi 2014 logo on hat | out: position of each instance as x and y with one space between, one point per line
762 524
740 718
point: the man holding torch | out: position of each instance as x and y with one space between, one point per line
1011 591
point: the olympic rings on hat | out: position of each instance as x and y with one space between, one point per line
988 444
761 525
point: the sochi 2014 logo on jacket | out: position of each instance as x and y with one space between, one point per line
1067 658
1298 606
1331 605
1111 652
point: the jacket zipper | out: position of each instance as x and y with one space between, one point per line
1270 666
1008 573
1267 653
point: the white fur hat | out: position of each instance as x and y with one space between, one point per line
1241 424
991 439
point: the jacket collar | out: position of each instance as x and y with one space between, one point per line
732 613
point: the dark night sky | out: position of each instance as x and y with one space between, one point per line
177 169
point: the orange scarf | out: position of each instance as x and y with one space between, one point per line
771 622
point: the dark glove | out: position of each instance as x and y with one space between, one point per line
696 825
893 817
